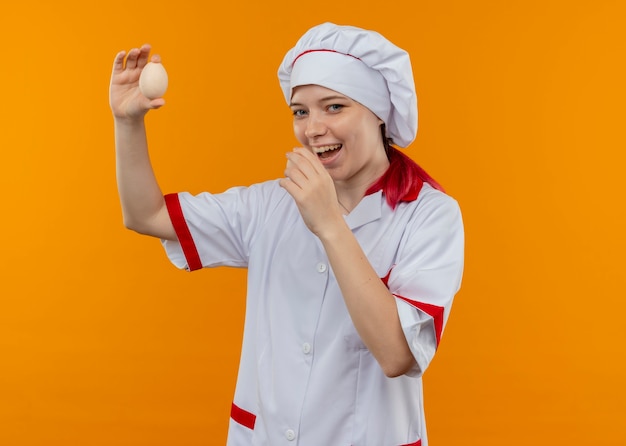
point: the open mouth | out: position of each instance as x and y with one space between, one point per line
327 151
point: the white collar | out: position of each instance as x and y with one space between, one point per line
368 210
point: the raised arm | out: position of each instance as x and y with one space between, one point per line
143 205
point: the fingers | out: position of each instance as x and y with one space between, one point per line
291 188
304 162
312 189
157 103
132 58
135 58
298 172
310 157
294 174
118 62
144 53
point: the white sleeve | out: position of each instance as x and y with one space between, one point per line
217 229
428 274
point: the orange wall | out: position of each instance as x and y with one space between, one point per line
103 342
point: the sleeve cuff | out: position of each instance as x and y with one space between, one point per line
419 331
185 245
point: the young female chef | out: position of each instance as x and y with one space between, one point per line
353 257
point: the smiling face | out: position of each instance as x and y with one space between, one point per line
343 133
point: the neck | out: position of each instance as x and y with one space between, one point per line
344 209
350 194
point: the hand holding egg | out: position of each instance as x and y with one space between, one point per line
153 80
137 84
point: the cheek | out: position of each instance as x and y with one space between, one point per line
367 131
298 131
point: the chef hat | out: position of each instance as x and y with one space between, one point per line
360 64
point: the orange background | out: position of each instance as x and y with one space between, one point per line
103 342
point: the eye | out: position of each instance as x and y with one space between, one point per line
335 107
298 112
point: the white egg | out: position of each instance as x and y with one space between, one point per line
153 80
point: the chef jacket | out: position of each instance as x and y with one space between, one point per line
305 377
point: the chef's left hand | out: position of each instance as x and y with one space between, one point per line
313 190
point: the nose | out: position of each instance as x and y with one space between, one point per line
315 126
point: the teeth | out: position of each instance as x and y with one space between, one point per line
326 148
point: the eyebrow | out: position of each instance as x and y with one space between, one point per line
324 99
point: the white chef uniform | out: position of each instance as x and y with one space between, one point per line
305 377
